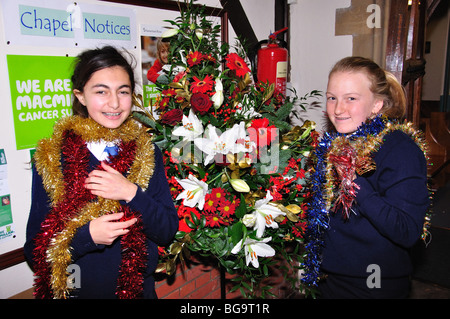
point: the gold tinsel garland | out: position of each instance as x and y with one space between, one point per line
48 164
365 147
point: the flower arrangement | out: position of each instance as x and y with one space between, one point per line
234 164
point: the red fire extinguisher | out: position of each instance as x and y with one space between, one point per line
272 62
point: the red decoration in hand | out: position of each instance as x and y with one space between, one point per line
344 162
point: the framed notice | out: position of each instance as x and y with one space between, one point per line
64 23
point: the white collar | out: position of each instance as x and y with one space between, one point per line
98 149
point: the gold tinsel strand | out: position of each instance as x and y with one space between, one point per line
367 145
48 164
58 253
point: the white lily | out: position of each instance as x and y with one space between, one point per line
199 33
178 68
192 127
251 113
265 214
175 70
214 144
169 33
249 220
245 145
248 113
253 249
246 109
194 191
218 98
239 185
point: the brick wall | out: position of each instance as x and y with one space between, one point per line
201 280
197 282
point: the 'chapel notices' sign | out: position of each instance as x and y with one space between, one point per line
40 93
68 24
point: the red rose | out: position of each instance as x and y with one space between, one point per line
172 117
200 102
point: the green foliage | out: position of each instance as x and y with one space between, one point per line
196 55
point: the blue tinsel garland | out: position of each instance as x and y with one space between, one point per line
317 213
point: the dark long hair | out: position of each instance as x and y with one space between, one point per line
91 61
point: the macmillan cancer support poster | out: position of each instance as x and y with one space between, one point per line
40 95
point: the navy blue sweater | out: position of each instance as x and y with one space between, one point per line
99 264
388 214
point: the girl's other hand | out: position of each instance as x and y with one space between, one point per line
105 229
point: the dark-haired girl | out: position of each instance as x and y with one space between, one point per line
100 199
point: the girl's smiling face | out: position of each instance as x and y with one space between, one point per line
350 101
164 55
107 96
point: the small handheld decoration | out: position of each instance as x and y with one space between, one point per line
343 160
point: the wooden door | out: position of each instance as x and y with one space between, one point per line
405 50
405 58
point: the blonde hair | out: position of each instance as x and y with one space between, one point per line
384 85
159 46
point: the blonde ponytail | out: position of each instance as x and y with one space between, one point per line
384 85
395 104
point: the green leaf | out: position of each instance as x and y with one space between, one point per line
198 168
247 286
234 288
161 144
283 112
144 119
189 223
195 219
265 270
203 221
242 209
171 22
236 232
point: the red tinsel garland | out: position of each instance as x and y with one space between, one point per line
344 163
77 159
134 256
75 172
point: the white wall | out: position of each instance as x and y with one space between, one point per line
314 49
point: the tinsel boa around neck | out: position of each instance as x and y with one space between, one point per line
48 152
74 206
337 158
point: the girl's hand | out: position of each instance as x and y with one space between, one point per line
105 229
110 184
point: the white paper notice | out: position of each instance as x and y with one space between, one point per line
6 222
